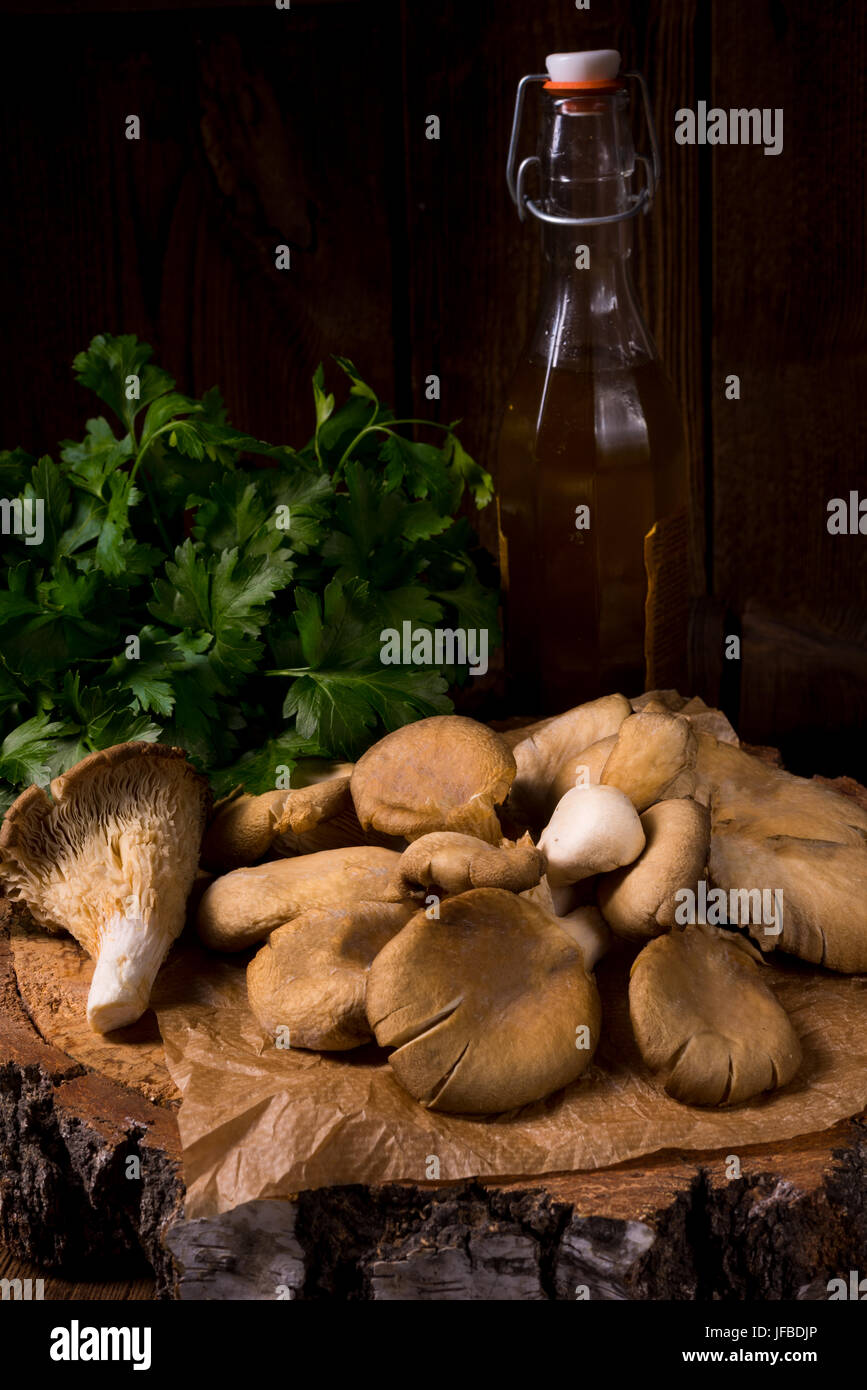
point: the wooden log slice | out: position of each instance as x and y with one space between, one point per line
91 1169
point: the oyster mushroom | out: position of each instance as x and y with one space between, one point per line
112 861
546 746
653 750
245 906
772 831
582 769
488 1007
247 828
593 830
442 773
639 901
242 831
310 976
582 921
445 862
704 1018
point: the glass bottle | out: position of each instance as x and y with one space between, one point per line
592 475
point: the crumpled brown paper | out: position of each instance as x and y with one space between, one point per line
256 1121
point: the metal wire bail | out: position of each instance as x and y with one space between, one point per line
516 179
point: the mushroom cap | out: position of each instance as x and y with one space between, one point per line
247 828
592 830
245 906
242 831
547 745
311 974
737 785
483 1004
324 817
639 901
111 860
823 888
652 750
703 1017
442 773
582 769
445 862
771 830
306 807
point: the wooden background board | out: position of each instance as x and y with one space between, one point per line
306 127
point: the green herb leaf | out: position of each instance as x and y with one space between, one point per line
358 387
165 410
345 691
344 708
258 771
421 468
171 573
94 460
470 473
24 753
15 468
121 373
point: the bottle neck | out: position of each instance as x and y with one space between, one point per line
589 315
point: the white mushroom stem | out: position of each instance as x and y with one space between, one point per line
589 930
562 898
130 955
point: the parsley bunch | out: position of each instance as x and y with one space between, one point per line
198 586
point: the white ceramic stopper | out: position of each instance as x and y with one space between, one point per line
596 65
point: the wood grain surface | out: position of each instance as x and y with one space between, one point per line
789 316
86 1289
307 128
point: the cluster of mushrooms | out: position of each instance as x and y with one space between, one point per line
451 893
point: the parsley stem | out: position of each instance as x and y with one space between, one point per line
146 483
28 694
165 429
386 429
158 521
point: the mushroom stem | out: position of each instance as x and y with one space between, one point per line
130 955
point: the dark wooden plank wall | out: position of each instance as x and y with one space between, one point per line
307 126
173 237
789 315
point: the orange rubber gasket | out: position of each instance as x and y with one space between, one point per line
602 84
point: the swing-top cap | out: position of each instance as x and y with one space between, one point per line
595 69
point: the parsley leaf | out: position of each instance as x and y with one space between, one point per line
345 691
158 571
121 373
24 752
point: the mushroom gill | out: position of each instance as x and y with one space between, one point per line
111 859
